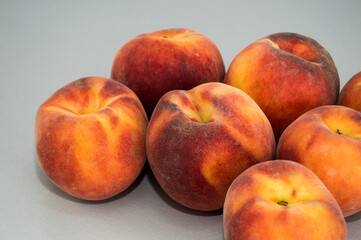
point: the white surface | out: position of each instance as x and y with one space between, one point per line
46 44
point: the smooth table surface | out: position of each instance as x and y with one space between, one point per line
46 44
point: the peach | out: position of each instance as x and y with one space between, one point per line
327 140
199 140
158 62
287 74
90 138
350 95
281 200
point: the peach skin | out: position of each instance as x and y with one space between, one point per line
350 95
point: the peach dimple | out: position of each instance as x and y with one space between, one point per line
343 126
176 33
300 49
203 107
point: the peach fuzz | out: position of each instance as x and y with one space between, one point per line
327 140
350 95
155 63
199 140
287 74
90 138
281 200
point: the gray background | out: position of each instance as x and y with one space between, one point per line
46 44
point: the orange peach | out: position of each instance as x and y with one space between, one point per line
287 74
350 95
281 200
90 138
155 63
199 140
327 140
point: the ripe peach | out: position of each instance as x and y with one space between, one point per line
287 74
350 95
199 140
90 138
281 200
327 140
155 63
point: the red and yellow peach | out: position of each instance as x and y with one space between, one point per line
90 138
158 62
286 74
199 141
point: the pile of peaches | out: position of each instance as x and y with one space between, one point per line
271 141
